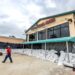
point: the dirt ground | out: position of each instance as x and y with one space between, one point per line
26 65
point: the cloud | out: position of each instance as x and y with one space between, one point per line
34 10
10 28
18 15
12 21
50 3
71 5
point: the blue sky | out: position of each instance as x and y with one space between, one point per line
18 15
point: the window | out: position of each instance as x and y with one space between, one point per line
33 37
50 32
59 31
55 32
65 31
57 27
42 35
39 35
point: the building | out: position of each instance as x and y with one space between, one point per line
53 32
13 42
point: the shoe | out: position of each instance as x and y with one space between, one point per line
3 62
11 62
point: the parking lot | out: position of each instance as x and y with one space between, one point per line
27 65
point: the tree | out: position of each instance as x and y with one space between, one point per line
12 36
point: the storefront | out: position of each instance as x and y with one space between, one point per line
11 41
45 31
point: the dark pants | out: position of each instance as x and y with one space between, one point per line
8 56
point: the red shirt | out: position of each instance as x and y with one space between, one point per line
8 50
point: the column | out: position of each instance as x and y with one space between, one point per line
46 34
27 37
67 47
37 36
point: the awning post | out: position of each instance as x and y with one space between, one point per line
31 48
45 50
67 47
23 46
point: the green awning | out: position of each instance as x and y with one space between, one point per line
53 40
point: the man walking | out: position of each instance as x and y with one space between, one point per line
8 55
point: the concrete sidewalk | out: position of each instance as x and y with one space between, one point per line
26 65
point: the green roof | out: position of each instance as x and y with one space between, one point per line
53 40
61 14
